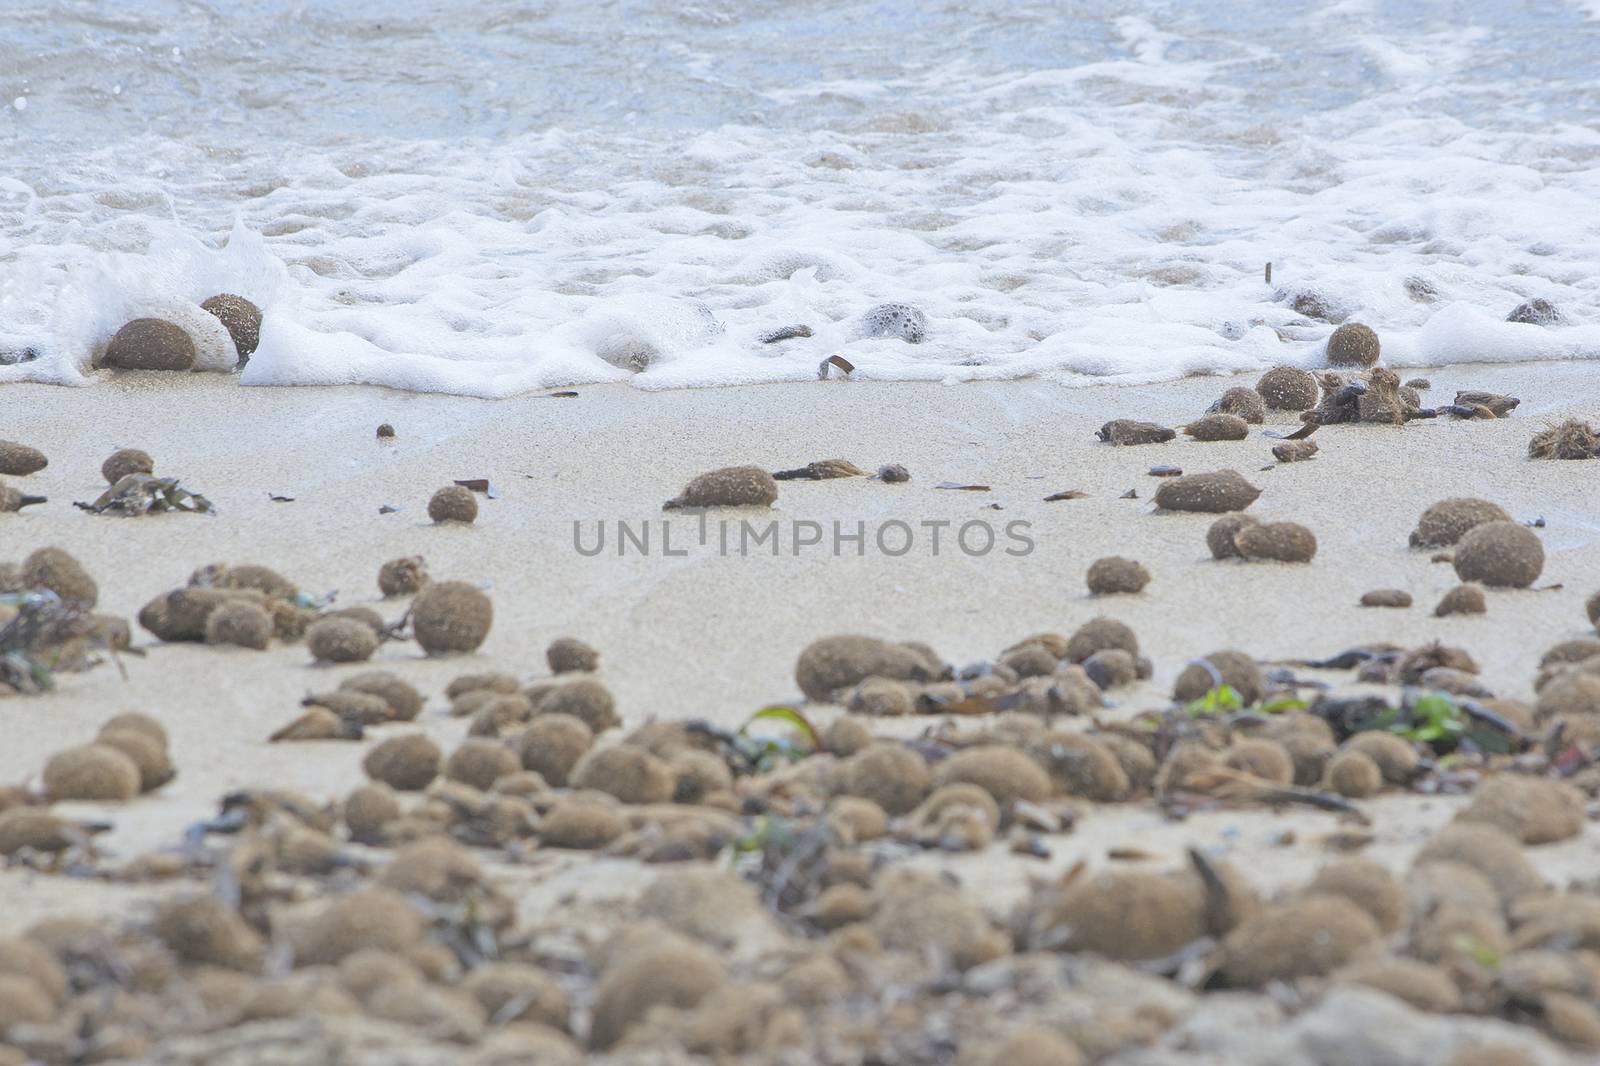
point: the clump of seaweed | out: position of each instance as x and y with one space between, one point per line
48 635
139 494
1571 439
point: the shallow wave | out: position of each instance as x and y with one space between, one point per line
1088 199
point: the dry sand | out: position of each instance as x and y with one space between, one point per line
706 635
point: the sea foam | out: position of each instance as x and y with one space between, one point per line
1079 199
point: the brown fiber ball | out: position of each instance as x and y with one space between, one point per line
367 810
241 624
1184 761
1214 493
1221 537
1081 765
241 318
408 763
1463 599
1353 774
91 772
1128 915
147 753
180 615
480 763
1266 759
1500 554
1353 344
1366 884
485 682
1114 574
351 705
629 773
1137 761
583 822
204 931
124 462
890 775
1573 695
1308 937
1395 758
1028 660
567 655
451 616
918 912
1005 773
881 697
698 774
54 569
435 868
1111 668
1127 432
511 992
402 577
1569 651
339 640
1425 987
1244 402
731 486
19 460
1288 388
365 615
1283 542
1447 521
845 736
668 971
1218 427
1386 598
1232 668
1491 851
1535 810
400 696
1099 634
370 919
150 344
584 699
831 665
552 745
453 503
136 722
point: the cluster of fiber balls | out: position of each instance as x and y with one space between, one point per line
397 870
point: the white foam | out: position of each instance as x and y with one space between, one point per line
1106 217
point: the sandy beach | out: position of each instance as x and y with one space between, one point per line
703 634
821 533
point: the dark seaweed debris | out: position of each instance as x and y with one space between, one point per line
138 494
1442 721
45 636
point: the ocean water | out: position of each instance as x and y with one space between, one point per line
486 197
